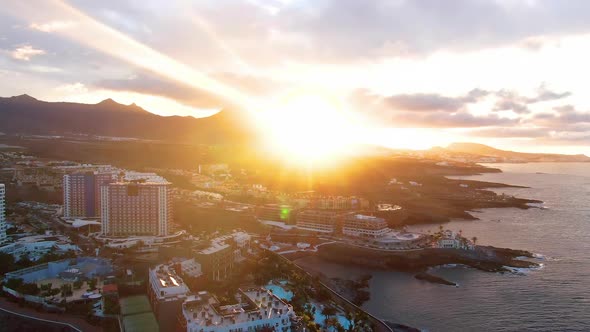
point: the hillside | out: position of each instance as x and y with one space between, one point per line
503 155
26 115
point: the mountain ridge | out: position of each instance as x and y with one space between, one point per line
506 155
24 114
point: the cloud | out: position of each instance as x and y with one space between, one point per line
152 84
434 110
74 88
545 94
511 132
424 102
52 26
26 52
426 26
511 105
443 119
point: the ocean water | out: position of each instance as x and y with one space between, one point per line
553 298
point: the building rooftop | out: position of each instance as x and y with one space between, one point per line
221 242
166 283
367 218
251 304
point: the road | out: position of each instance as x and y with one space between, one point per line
54 320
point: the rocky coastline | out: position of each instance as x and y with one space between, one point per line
485 258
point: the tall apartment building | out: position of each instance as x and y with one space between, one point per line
81 192
2 213
323 221
136 208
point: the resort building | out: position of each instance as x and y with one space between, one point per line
275 212
189 268
359 225
340 203
218 259
81 193
2 213
70 269
137 207
255 309
451 240
35 246
167 291
323 221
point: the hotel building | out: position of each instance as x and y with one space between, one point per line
323 221
359 225
340 203
275 212
81 193
218 259
139 207
2 213
255 309
166 293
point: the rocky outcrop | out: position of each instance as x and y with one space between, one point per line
433 279
488 258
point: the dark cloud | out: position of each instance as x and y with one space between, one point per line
424 26
152 84
439 119
424 102
321 30
511 132
425 110
505 100
511 105
545 94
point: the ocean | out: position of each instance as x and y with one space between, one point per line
555 297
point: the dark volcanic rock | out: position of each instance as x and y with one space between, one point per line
483 258
433 279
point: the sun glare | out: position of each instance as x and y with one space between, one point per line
308 128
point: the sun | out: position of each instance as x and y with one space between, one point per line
308 128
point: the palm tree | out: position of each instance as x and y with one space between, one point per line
350 318
329 311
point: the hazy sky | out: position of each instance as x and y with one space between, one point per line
508 73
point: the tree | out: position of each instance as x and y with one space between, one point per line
66 290
350 318
329 311
330 322
92 284
78 284
6 263
474 239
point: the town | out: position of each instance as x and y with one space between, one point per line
111 250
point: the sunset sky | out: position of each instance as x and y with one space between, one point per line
415 74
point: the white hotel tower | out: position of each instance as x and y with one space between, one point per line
2 213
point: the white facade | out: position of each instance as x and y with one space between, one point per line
255 309
34 247
166 284
450 240
359 225
2 213
67 197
